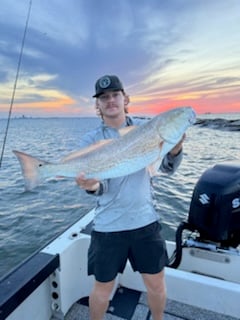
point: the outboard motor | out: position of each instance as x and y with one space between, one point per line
215 205
214 211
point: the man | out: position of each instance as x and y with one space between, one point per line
126 225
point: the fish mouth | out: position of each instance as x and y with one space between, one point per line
192 117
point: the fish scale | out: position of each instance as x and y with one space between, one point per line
137 149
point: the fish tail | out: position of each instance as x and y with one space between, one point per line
30 169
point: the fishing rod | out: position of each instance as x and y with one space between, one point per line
15 82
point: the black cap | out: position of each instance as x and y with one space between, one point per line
107 83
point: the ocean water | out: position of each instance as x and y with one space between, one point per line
29 220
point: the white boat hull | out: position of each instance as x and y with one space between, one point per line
204 279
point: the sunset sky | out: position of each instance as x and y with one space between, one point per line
168 53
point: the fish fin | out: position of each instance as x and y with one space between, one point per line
125 130
153 168
75 154
30 169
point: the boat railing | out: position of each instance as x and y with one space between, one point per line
22 281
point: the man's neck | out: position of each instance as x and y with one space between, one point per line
115 122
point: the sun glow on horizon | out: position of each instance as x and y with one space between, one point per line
166 56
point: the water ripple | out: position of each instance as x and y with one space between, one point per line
28 220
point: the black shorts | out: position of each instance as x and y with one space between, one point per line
109 251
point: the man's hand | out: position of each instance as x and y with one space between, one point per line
87 184
178 147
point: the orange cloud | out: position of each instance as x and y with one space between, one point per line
42 108
215 103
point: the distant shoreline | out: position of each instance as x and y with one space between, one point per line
23 117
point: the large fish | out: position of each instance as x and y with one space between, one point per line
136 149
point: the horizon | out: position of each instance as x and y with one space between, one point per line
167 54
92 116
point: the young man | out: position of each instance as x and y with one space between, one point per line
126 225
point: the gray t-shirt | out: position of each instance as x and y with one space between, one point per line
126 202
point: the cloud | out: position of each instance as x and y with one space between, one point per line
187 48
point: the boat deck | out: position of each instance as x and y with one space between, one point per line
128 304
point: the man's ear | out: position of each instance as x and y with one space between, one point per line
126 100
98 110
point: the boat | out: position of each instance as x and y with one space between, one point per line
202 278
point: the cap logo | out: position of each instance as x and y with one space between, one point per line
104 82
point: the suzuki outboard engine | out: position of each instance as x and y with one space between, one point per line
215 205
214 210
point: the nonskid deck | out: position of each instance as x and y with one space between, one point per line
128 304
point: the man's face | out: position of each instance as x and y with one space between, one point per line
111 103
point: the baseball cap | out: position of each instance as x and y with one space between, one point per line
107 82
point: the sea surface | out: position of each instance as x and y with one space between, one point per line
29 220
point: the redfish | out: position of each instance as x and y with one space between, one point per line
137 148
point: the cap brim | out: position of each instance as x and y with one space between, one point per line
110 89
97 95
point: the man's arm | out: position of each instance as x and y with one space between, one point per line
173 159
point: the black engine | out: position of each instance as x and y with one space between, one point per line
215 205
214 210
